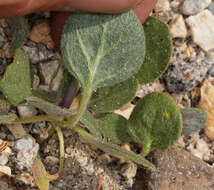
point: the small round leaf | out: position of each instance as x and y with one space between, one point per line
158 50
114 127
155 122
108 99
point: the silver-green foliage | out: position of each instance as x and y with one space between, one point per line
114 127
108 99
16 82
98 49
104 52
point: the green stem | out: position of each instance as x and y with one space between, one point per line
62 154
62 148
73 120
146 148
30 120
83 133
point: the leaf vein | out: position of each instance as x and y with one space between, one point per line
84 50
99 51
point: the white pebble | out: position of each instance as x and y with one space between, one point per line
202 29
162 6
178 27
24 144
191 7
3 159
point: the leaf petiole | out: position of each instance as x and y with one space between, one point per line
33 119
73 120
114 149
62 148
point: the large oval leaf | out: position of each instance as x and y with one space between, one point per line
155 122
158 50
102 49
108 99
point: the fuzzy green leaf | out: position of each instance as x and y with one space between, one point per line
114 127
193 120
98 48
155 122
108 99
16 82
20 30
53 110
158 50
91 123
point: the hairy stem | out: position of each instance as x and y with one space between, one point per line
73 120
62 153
33 119
62 148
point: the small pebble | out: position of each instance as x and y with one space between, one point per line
24 144
5 170
178 27
162 6
185 73
51 160
129 170
17 130
191 7
104 159
48 70
57 81
202 29
211 7
40 33
3 159
39 52
26 111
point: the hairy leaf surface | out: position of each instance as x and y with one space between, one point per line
108 99
114 127
102 49
20 30
91 123
155 122
16 82
158 50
